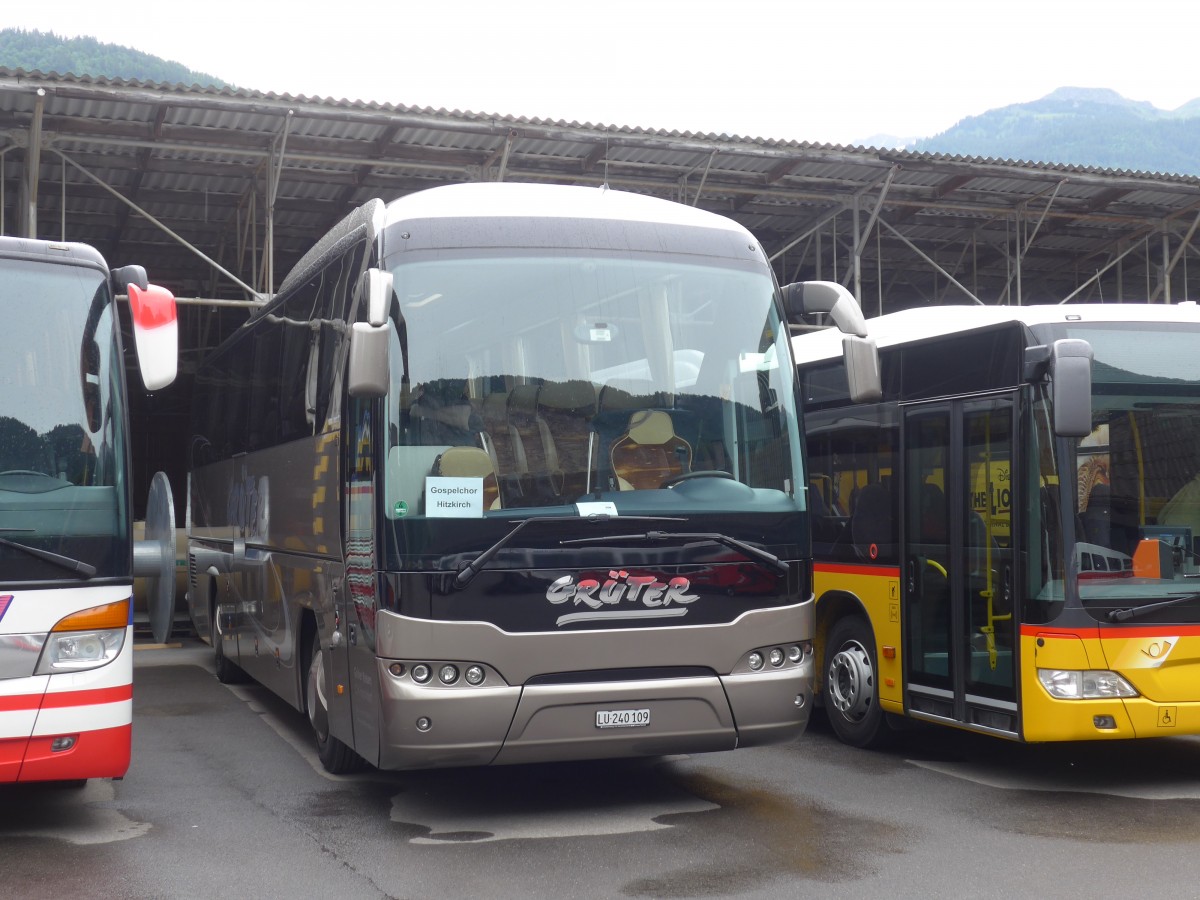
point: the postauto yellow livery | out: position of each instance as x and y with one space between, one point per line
1007 541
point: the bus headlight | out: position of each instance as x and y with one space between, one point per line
86 639
78 650
1088 684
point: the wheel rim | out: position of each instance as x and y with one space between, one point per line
852 681
318 709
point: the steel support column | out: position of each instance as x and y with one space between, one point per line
33 166
278 148
1170 264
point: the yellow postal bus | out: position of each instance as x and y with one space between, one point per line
1007 541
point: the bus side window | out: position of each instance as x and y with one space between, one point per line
872 524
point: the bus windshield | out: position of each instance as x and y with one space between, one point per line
1137 502
560 379
62 492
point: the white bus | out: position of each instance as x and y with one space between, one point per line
512 473
66 553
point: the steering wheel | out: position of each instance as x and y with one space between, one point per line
699 473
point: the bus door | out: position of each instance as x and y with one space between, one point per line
958 557
358 603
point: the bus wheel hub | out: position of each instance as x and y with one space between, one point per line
851 681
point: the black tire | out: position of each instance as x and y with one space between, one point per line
850 688
228 672
336 757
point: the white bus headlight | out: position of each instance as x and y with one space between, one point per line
79 650
85 640
1089 684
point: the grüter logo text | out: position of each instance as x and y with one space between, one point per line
621 596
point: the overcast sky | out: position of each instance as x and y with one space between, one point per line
836 72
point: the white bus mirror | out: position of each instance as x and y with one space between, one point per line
1071 371
377 294
805 298
861 356
155 334
368 375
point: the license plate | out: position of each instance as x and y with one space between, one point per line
622 718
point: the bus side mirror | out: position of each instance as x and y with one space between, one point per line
805 298
860 353
124 276
861 356
368 376
155 333
1071 371
369 365
376 288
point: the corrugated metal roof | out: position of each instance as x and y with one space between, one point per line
197 159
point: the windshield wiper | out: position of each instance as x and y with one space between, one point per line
753 552
1131 612
471 569
84 570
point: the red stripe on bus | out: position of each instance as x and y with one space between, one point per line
89 698
66 699
849 569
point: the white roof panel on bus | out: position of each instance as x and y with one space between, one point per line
494 199
934 321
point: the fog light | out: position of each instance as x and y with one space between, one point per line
448 674
1107 722
794 654
474 674
424 724
756 660
66 742
396 669
421 673
800 701
777 657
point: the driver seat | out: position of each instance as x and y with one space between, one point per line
649 452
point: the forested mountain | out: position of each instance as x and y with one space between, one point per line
46 52
1078 126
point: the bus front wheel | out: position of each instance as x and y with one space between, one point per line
335 756
850 689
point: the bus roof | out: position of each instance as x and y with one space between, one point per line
926 322
506 199
51 252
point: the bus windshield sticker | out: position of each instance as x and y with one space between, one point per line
596 508
453 498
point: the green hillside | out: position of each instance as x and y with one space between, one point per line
46 52
1086 127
